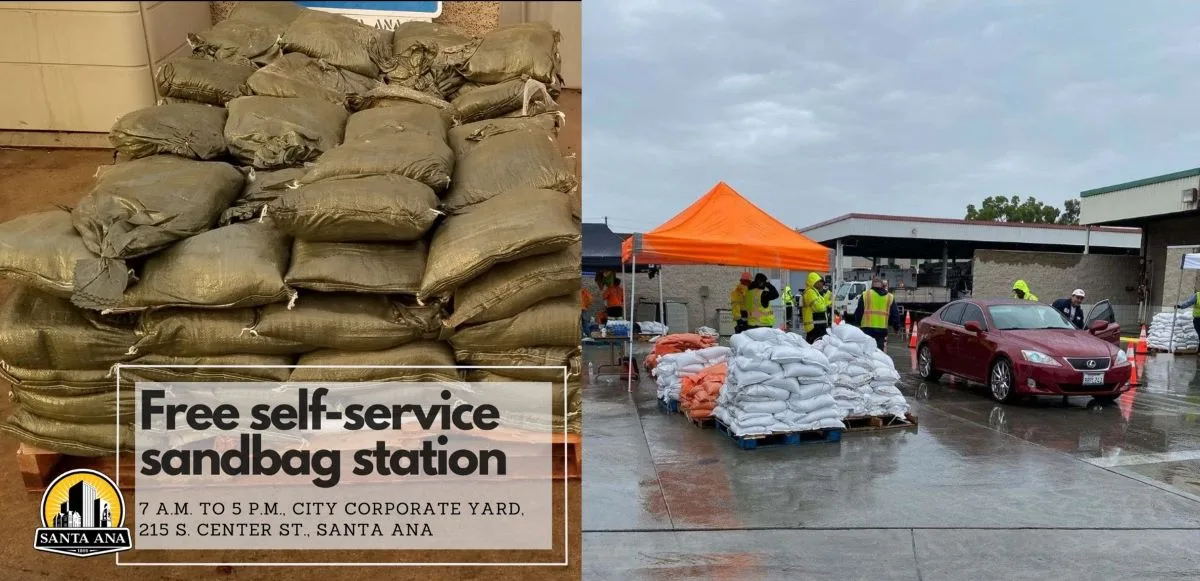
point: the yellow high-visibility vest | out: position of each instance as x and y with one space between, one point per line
876 308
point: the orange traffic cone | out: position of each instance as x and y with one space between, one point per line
908 328
1141 343
836 319
1133 372
912 339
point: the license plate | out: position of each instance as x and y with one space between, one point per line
1093 379
1089 442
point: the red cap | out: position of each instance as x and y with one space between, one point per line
746 277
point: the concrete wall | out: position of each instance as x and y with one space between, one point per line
1159 235
683 283
1172 275
1053 275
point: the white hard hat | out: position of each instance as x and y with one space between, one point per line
1078 293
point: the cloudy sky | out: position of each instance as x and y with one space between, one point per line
813 109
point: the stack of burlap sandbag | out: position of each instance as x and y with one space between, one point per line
253 220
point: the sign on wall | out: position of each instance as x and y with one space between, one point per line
386 15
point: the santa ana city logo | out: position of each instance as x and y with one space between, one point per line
82 514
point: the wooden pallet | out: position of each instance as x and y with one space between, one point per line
702 423
780 438
40 467
668 406
1191 351
873 423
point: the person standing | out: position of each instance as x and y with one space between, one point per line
788 301
761 293
1021 291
873 312
614 300
1072 307
586 305
814 307
738 304
1194 303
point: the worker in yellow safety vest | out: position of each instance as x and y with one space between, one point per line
1021 291
759 295
874 309
814 307
1193 302
738 303
788 302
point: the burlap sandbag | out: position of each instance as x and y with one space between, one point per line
276 132
63 382
96 408
297 75
277 13
40 331
392 95
420 353
192 131
364 267
238 41
411 154
278 373
426 56
529 49
340 40
526 358
208 333
465 138
262 188
65 437
524 97
573 394
203 80
398 116
514 225
240 265
380 208
550 323
41 250
349 322
505 160
512 287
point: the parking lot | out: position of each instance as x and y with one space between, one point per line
978 490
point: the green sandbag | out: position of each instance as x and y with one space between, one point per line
40 331
526 357
392 95
523 97
465 138
420 353
215 372
192 131
297 75
203 80
426 56
63 381
240 265
364 267
537 421
511 226
398 116
342 41
208 333
41 250
411 154
96 408
380 208
262 188
276 132
238 41
505 160
550 323
275 13
511 52
69 438
512 287
350 322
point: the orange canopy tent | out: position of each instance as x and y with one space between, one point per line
727 229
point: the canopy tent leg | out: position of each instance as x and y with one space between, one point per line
632 293
662 303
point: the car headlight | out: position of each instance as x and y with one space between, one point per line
1121 358
1039 358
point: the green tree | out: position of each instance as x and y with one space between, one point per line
1029 211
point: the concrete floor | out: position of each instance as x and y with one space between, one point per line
980 491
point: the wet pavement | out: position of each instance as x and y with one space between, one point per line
978 491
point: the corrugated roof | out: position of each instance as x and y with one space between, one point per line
1179 175
926 220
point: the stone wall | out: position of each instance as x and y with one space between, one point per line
683 283
1053 275
473 18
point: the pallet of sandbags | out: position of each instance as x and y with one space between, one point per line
753 441
876 423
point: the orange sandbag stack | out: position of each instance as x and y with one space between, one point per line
677 343
699 393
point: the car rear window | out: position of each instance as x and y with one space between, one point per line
953 313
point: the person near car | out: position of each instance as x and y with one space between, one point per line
614 300
788 301
758 302
1194 303
1072 307
814 307
874 310
737 303
1021 291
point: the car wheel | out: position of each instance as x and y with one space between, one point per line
925 364
1001 381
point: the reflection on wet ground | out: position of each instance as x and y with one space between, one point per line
1002 491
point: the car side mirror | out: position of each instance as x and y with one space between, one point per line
1098 326
973 326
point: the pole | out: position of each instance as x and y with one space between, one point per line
1087 239
945 264
632 292
662 303
837 267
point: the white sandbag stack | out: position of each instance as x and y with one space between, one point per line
777 383
1159 335
673 367
652 328
864 378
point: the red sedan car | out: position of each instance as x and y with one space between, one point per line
1022 348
